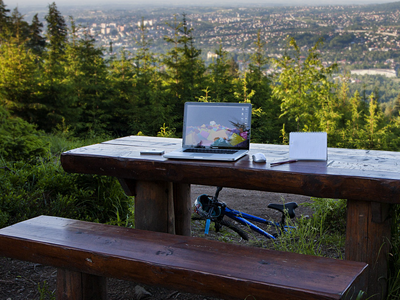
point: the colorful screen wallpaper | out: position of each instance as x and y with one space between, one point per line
225 129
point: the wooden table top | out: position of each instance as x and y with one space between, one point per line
347 174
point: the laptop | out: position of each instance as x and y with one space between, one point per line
214 131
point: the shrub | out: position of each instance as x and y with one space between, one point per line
43 188
19 139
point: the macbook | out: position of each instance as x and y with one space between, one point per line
214 131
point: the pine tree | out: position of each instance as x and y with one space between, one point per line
36 42
56 33
55 92
266 123
18 82
4 20
221 79
19 28
152 109
304 88
185 69
373 125
88 98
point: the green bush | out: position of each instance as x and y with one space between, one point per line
330 214
43 188
19 139
322 234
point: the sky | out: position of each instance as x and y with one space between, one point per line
11 4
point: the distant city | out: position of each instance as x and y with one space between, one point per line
357 37
350 32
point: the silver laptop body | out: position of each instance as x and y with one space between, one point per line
214 131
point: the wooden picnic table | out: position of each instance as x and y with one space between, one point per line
369 180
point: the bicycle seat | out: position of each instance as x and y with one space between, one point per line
290 207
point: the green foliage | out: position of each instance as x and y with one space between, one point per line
166 132
304 90
44 292
184 70
220 78
42 187
330 213
19 139
324 229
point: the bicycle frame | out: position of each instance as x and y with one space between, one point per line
243 218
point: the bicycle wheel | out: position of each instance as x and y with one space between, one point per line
228 224
235 228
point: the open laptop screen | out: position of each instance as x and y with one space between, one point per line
217 125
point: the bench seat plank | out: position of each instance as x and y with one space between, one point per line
179 262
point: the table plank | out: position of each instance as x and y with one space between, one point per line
348 174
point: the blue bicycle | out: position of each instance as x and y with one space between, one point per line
209 208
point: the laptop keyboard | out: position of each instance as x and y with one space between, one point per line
219 151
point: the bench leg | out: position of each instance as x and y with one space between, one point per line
73 285
368 240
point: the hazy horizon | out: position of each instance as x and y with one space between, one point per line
11 4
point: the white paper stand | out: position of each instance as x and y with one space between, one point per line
308 145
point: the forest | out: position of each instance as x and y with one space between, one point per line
58 82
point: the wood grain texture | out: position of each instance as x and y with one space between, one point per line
179 262
369 241
154 203
348 174
80 286
182 208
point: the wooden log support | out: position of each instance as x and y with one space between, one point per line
368 240
160 206
182 208
80 286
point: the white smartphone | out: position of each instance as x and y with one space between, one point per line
152 152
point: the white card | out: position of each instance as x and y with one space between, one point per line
308 145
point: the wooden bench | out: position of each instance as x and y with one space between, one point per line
87 253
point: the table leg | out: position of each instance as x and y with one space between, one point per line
73 285
368 240
160 206
183 209
154 206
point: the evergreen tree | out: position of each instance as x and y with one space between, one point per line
18 79
353 132
126 113
19 28
152 109
373 125
221 79
87 84
4 20
56 33
304 89
57 106
184 70
36 41
266 123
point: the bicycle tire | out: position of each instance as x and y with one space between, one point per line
228 224
235 228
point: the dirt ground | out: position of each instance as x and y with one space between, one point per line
27 281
